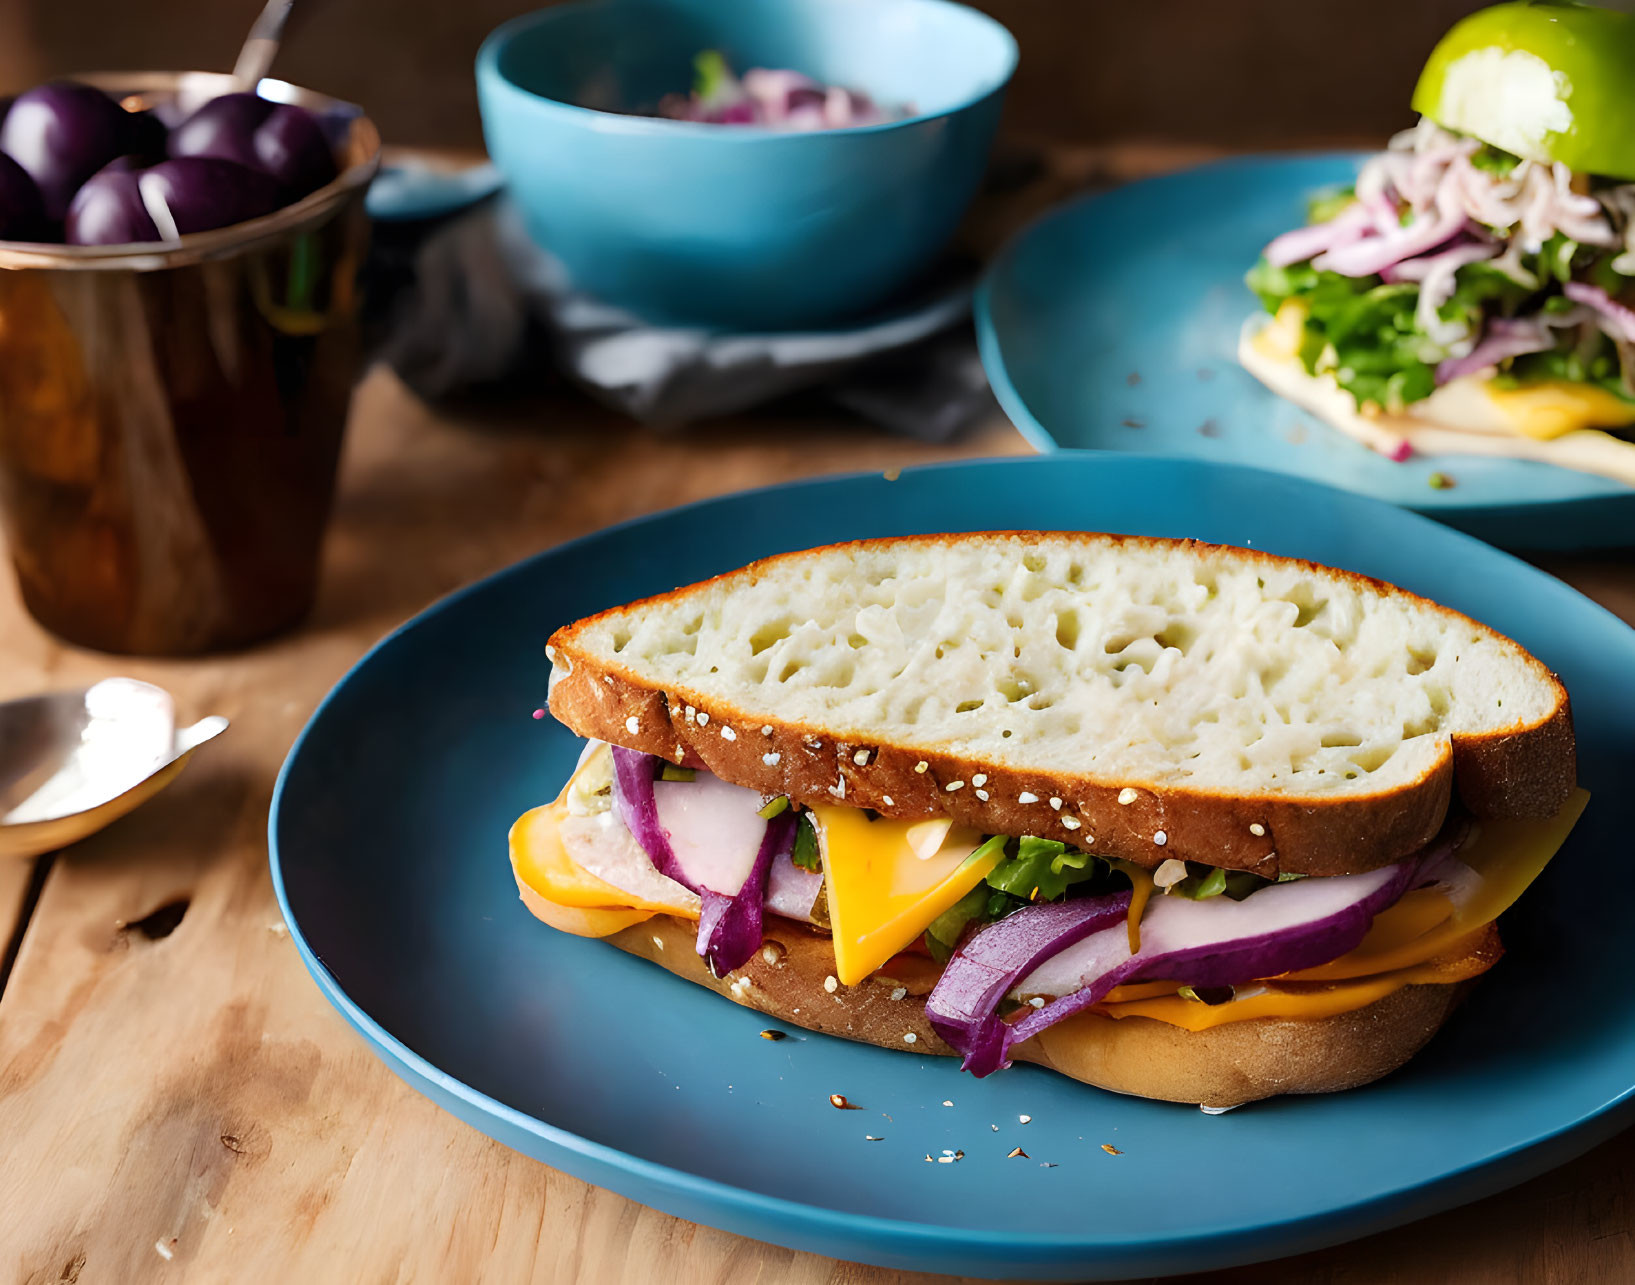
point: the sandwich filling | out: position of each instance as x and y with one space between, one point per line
1014 933
1465 286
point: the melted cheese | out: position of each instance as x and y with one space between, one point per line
883 892
1508 855
542 867
1552 409
1470 957
592 922
1141 890
1281 337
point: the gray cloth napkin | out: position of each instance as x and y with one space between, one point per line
483 305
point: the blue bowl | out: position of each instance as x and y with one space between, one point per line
736 226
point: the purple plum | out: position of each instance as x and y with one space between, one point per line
61 134
278 139
205 192
124 203
108 209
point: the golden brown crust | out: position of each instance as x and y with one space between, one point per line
1224 1066
1506 776
1240 1062
1524 770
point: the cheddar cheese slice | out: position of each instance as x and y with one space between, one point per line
1469 957
882 891
543 868
1507 855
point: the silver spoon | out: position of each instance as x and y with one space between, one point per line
73 761
255 59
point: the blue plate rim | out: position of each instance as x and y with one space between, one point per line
1452 503
808 1223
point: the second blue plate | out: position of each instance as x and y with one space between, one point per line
1112 324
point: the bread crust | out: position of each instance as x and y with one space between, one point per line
1522 770
1224 1066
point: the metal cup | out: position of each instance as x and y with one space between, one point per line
171 416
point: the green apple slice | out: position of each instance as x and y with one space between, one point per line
1546 81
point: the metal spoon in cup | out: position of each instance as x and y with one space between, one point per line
255 58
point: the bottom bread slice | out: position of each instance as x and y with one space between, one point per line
792 979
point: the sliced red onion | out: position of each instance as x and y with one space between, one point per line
963 1005
1457 881
1372 255
729 927
714 830
1218 942
633 799
1505 338
731 913
1616 319
792 891
1377 190
1463 250
776 93
1438 278
1351 224
778 99
1429 170
1214 942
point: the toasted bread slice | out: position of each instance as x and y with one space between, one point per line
1143 698
1224 1066
1441 425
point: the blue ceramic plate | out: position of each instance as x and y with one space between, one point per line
410 190
389 855
1112 324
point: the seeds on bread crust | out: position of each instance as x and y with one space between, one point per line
1323 824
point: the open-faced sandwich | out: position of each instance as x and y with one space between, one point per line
1474 290
1179 820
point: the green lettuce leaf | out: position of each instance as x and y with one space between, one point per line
1042 870
1495 160
711 74
1360 328
1482 290
943 933
1274 285
1321 206
1037 870
805 854
1594 362
1200 887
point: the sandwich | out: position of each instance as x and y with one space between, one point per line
1474 290
1179 820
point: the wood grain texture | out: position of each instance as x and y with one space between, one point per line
14 887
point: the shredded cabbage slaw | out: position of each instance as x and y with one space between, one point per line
1449 257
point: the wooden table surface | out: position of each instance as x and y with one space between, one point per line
177 1102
